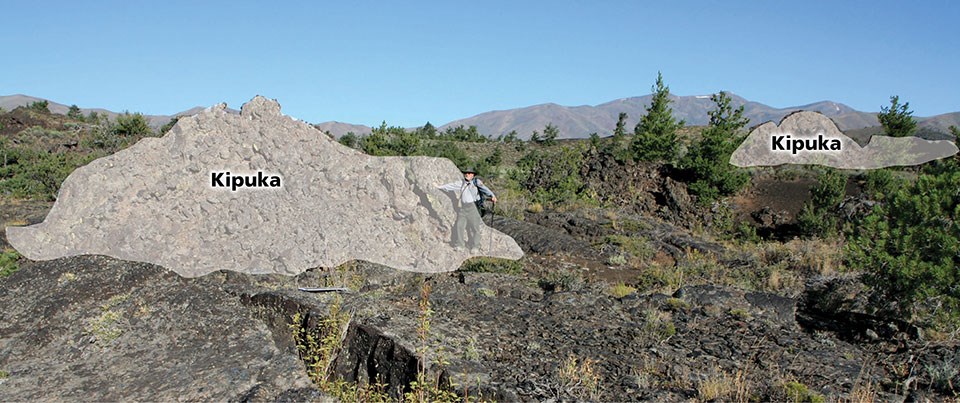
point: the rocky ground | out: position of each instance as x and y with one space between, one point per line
97 328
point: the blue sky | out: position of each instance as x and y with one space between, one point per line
409 62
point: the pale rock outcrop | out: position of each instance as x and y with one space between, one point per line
882 151
154 202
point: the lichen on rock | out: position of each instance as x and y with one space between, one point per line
159 202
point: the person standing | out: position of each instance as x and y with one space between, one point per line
468 192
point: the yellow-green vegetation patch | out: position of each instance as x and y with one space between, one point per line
719 385
663 278
626 224
9 262
345 275
115 300
486 292
638 248
581 377
107 327
658 326
617 260
740 313
16 223
800 393
677 304
470 351
535 208
621 290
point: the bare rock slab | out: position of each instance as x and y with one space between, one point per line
92 328
302 201
812 138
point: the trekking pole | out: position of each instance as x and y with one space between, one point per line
493 214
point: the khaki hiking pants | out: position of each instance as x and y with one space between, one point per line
467 226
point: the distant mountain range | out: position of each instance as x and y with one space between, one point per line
581 121
9 102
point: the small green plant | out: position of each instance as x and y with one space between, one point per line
423 389
9 262
562 280
943 374
658 326
346 275
718 385
535 208
617 260
492 265
746 232
740 314
579 377
800 393
108 326
677 304
621 290
663 278
75 113
638 248
318 346
486 292
471 352
105 327
880 182
169 125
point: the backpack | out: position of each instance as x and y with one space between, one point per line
482 202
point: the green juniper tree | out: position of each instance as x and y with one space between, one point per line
908 244
132 125
709 159
621 130
75 113
428 131
550 133
655 136
819 216
169 125
40 106
350 140
897 120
